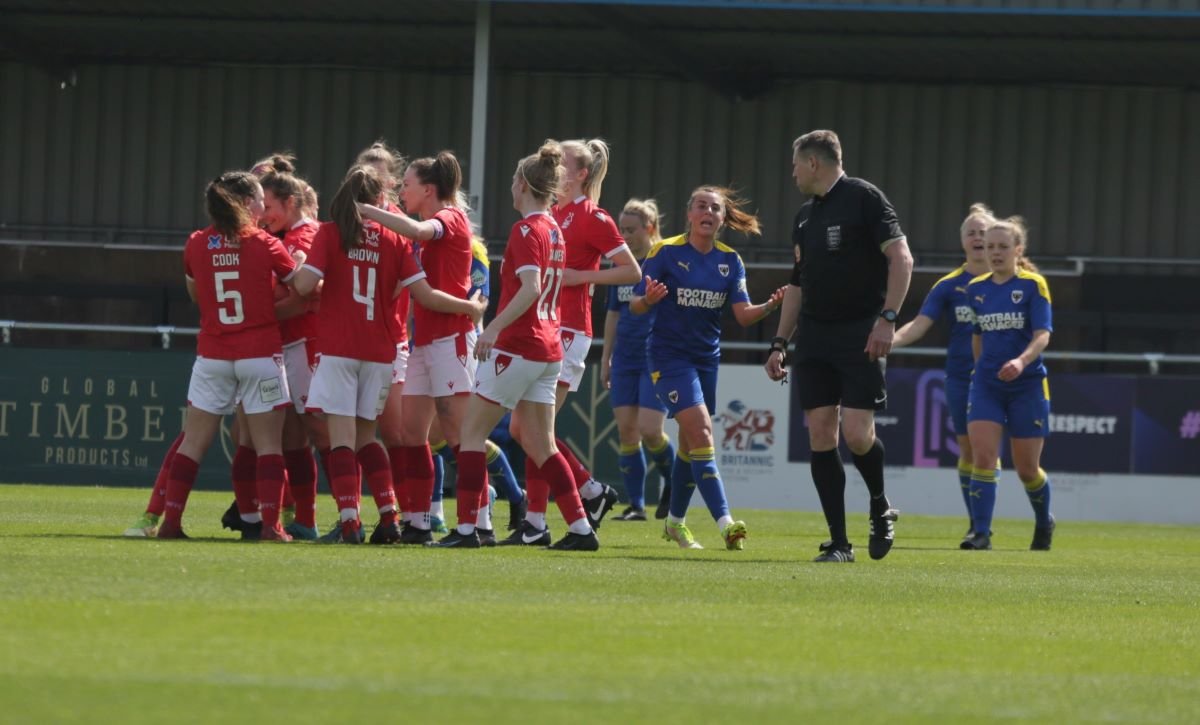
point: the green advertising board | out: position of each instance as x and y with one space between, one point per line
105 418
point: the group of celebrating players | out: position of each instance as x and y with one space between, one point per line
361 337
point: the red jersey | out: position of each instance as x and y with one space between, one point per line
357 318
235 290
535 243
401 313
303 326
447 262
591 234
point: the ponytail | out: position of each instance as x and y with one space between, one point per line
593 155
362 184
225 201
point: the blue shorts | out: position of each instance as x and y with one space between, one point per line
633 387
685 387
957 390
1023 408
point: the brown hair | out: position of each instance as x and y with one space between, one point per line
310 206
284 186
1015 226
824 144
646 210
225 201
362 184
542 172
283 162
380 154
736 217
593 155
444 173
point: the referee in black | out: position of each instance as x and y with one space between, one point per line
852 272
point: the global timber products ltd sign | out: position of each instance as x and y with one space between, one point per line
95 417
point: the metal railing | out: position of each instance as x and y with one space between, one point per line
1152 360
163 331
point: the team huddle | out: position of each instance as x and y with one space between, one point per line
357 344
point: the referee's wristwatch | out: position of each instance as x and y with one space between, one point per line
889 316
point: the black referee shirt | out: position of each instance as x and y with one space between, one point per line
840 261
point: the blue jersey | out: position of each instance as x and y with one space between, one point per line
629 347
1006 316
947 299
480 276
687 324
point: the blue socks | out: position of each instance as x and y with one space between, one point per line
964 482
663 457
708 480
682 485
632 463
439 467
1038 491
501 475
983 499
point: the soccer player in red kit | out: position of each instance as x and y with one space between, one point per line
441 370
591 235
284 200
364 266
232 267
520 355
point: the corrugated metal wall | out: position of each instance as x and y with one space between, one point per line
1096 171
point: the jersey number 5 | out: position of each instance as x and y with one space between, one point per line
366 297
228 295
547 306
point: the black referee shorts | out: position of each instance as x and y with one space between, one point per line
832 368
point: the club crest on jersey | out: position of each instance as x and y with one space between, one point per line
833 238
525 229
673 396
1017 296
502 363
214 241
723 269
567 222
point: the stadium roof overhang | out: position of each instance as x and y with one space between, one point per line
739 47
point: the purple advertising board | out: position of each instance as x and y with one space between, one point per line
1098 424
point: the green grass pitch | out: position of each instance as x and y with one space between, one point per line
97 628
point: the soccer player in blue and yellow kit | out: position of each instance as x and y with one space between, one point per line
689 279
623 370
947 299
1009 389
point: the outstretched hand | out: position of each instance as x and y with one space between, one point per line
655 291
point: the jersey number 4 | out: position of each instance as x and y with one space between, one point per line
228 295
365 297
547 306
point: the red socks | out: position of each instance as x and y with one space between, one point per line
179 485
419 461
399 471
536 488
557 473
472 484
344 473
269 472
244 472
579 474
302 482
158 497
378 470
